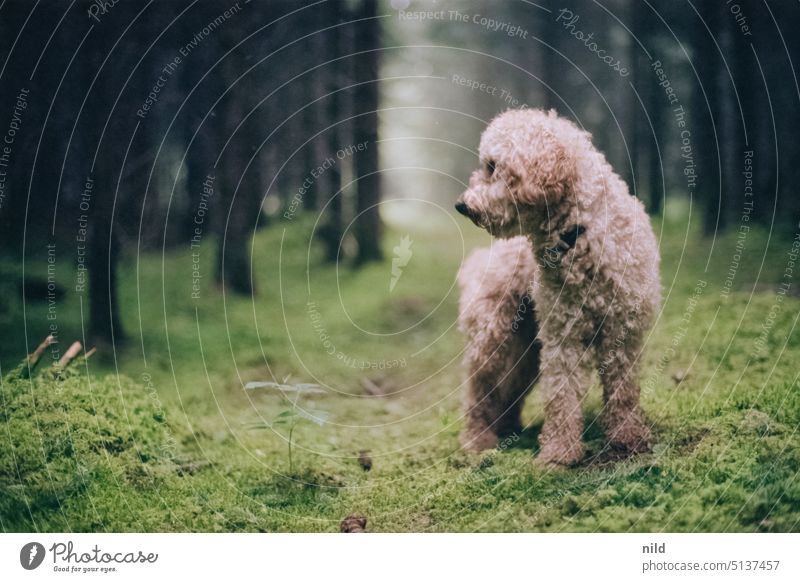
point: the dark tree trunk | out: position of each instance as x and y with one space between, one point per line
650 111
239 220
201 133
631 109
729 128
756 105
339 110
786 103
292 98
704 138
367 225
323 44
28 115
103 247
655 170
239 190
105 323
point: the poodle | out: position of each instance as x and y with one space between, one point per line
571 285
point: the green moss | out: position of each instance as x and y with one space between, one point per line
64 434
94 453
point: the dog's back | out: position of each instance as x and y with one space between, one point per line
494 283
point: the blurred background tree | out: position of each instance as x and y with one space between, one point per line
264 92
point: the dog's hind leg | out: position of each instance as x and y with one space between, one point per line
503 367
502 354
497 317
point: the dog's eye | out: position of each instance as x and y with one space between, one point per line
489 167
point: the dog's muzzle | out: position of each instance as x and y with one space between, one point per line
473 215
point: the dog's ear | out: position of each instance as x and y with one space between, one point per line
552 172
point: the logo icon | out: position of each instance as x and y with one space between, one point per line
402 255
31 555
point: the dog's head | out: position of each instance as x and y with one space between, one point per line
528 162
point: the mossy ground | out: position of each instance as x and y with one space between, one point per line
171 448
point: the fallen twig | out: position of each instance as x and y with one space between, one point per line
70 355
34 358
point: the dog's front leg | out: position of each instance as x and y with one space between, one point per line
622 419
565 380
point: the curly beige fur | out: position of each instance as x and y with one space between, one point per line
575 241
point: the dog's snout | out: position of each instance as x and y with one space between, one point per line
462 208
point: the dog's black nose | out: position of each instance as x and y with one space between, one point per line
462 208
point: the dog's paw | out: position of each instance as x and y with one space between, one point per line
631 435
558 453
473 441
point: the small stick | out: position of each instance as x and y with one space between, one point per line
33 359
89 354
70 354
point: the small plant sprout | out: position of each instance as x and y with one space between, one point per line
288 418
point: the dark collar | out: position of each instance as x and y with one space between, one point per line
566 241
570 237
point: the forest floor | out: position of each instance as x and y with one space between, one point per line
182 446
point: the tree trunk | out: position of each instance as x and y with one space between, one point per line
233 266
367 225
105 324
704 139
239 191
339 110
728 124
655 170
